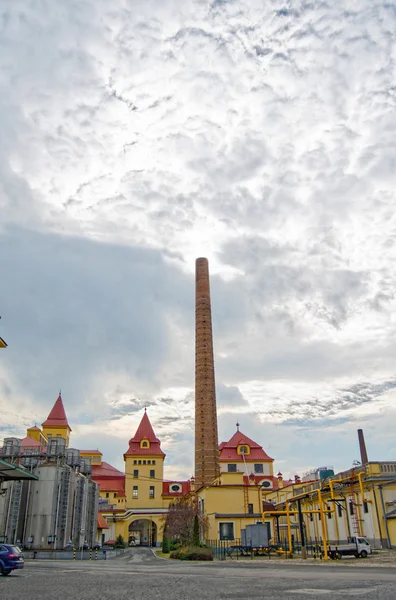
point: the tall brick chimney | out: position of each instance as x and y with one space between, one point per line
206 436
362 446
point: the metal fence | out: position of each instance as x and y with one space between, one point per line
233 549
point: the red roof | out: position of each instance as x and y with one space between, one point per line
102 524
112 485
228 450
29 442
57 416
34 428
145 432
105 470
109 478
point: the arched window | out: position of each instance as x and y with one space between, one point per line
144 444
244 450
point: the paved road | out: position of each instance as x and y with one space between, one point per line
139 575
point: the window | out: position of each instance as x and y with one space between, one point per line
351 509
153 462
135 491
149 462
265 484
139 462
243 450
365 506
152 473
259 468
115 495
144 445
144 462
339 509
311 517
175 488
250 509
152 491
135 462
232 469
107 494
226 531
136 473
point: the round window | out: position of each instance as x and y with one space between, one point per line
266 484
175 488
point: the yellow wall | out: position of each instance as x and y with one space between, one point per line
62 430
37 435
144 481
96 457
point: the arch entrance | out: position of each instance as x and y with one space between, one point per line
142 532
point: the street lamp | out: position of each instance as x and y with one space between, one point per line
82 542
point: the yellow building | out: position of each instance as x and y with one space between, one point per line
134 504
357 502
235 498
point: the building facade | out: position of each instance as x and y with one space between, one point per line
61 506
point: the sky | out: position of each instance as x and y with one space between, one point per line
138 135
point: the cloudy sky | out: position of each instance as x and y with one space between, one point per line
136 135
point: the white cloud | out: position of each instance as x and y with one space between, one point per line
139 135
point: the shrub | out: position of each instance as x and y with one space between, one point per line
192 553
195 539
119 543
174 545
165 541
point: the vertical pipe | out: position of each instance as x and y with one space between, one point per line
302 533
378 517
322 516
289 538
384 516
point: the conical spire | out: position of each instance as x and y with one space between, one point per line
57 416
145 431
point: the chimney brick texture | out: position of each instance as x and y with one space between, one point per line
362 447
206 436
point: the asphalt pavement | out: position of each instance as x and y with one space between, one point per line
139 575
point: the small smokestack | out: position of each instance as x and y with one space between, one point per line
362 446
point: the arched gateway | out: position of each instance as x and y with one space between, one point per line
142 532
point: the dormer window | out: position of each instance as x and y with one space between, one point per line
243 449
145 444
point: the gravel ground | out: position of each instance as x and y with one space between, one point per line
140 575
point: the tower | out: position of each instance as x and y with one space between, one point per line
144 468
56 424
362 447
206 437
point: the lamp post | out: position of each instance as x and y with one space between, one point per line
82 542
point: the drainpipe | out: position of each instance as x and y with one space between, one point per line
385 518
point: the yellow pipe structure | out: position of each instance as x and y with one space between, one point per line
289 537
322 513
360 475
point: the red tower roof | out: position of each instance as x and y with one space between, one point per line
145 431
57 416
228 450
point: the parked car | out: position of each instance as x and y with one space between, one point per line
10 558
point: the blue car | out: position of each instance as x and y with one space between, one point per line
10 558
